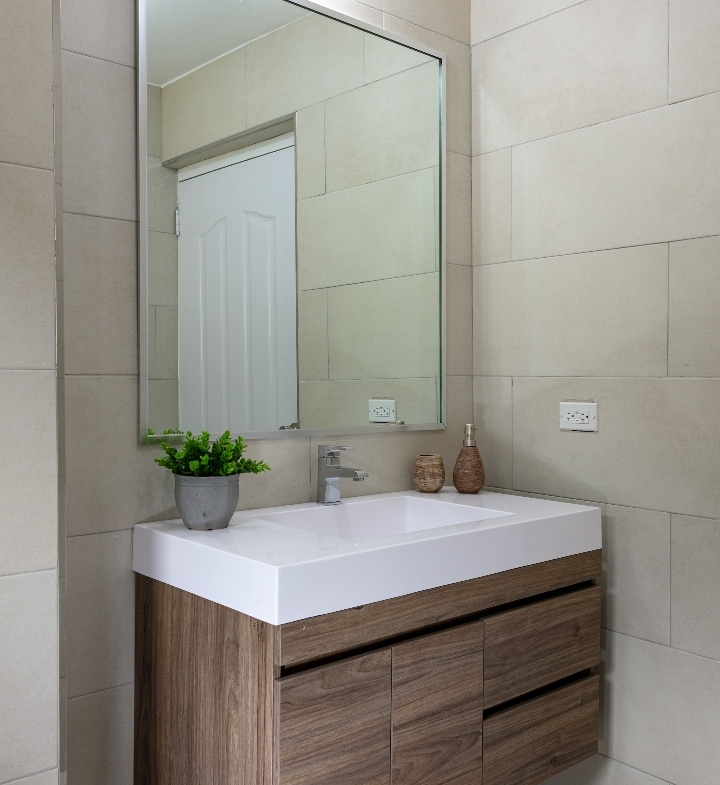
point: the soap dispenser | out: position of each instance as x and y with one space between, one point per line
469 472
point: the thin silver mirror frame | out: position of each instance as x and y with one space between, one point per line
143 398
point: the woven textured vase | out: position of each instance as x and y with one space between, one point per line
429 473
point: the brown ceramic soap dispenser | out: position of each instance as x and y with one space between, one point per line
469 472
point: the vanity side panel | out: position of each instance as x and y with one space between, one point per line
437 706
334 633
203 695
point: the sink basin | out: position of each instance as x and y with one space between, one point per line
283 564
360 520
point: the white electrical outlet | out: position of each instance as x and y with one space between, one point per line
578 416
382 410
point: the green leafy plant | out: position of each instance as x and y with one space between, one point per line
201 458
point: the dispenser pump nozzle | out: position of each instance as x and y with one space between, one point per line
469 440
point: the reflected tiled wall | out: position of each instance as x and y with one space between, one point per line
596 208
112 482
30 484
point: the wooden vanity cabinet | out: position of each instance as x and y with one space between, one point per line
486 682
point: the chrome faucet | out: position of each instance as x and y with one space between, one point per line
330 472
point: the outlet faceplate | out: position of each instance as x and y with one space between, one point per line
382 410
578 416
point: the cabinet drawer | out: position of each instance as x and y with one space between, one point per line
533 646
529 742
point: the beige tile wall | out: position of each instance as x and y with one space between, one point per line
30 685
596 220
112 482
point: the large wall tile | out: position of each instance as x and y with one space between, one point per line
385 329
162 197
166 343
382 130
288 480
636 572
491 18
104 29
661 710
112 481
694 51
28 674
449 18
28 481
492 207
101 612
100 738
373 232
27 271
693 348
459 209
383 58
390 457
600 770
205 106
598 314
312 335
458 131
458 321
696 586
658 446
162 269
154 121
493 416
163 412
593 62
26 87
310 151
344 404
98 138
100 295
603 187
282 79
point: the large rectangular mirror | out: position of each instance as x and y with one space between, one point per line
291 222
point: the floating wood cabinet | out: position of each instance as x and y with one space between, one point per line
486 682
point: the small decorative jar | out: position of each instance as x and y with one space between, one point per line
429 473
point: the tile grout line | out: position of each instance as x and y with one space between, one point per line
28 776
525 24
28 166
635 768
106 218
97 692
663 646
98 59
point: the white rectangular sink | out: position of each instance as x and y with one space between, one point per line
285 564
376 518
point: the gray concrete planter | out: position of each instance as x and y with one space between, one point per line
206 502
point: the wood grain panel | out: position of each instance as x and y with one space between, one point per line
438 708
335 723
533 646
528 743
335 633
203 691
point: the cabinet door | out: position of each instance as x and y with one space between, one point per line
334 723
438 708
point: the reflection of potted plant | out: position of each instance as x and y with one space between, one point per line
207 478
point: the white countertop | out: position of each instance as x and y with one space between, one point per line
281 574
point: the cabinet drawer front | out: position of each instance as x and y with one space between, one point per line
531 647
334 723
438 707
529 742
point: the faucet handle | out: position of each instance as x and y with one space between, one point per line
330 450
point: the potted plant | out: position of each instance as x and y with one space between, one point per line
207 478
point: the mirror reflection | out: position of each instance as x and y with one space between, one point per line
293 222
